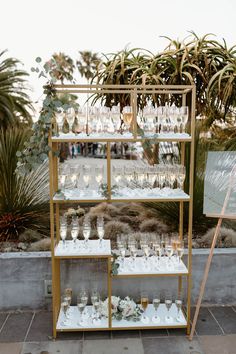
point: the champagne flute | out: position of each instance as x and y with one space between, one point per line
86 231
168 303
181 176
100 229
156 302
127 117
86 176
74 234
184 116
180 252
62 180
95 299
59 120
70 118
73 176
63 233
99 172
81 307
64 309
144 304
178 303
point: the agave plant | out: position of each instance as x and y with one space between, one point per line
15 104
23 197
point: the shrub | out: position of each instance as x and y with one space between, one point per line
131 209
226 238
105 208
30 236
42 245
114 228
153 225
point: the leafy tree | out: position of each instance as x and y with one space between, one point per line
88 64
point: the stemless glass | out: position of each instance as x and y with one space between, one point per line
144 304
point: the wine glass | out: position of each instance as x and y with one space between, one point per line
144 304
168 303
169 251
156 302
100 229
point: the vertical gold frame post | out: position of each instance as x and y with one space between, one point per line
181 204
109 171
190 221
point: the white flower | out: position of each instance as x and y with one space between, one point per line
114 304
129 308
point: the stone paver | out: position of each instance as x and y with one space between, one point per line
125 334
116 346
41 327
206 324
171 345
226 318
55 347
10 348
97 335
3 317
16 327
153 333
219 344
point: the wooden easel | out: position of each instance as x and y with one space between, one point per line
208 264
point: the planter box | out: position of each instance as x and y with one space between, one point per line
23 274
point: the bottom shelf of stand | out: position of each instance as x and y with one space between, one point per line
74 323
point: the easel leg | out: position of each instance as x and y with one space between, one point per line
203 284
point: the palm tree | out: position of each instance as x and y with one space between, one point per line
15 104
88 64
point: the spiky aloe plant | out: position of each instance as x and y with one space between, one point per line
23 197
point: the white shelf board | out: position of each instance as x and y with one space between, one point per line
162 313
151 267
74 321
69 249
154 193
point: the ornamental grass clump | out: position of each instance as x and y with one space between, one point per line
153 225
115 228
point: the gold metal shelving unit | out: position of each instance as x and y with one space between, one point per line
188 94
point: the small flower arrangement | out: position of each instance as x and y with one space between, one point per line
122 309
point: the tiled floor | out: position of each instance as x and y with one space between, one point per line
31 333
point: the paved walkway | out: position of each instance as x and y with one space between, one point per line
30 333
